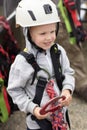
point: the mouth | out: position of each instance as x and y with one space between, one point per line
48 43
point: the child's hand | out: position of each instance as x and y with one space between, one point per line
38 115
68 98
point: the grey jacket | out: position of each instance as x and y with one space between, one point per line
20 77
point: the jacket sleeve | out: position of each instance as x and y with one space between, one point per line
68 72
20 73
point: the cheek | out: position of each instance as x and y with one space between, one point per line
34 38
37 41
54 37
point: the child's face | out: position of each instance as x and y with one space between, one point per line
44 35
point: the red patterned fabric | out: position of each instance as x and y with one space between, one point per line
57 117
8 48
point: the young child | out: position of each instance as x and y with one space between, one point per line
40 22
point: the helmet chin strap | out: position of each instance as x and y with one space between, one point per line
57 28
37 47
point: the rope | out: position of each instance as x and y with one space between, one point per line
57 117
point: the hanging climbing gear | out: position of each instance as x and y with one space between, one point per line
4 103
73 24
8 50
64 14
9 43
45 109
4 64
57 117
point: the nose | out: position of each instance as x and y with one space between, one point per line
49 37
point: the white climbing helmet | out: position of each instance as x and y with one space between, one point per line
36 12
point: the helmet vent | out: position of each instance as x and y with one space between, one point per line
47 9
32 15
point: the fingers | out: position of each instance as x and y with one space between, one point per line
67 101
38 115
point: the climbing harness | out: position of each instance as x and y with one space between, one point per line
42 82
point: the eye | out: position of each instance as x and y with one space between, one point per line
42 33
53 31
